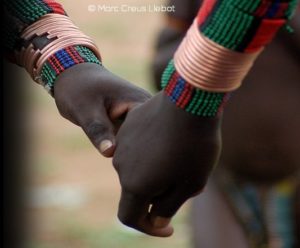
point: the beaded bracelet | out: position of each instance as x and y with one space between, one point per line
30 23
192 99
62 60
64 46
205 65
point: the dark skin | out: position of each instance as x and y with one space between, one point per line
166 170
264 151
262 144
260 136
157 175
96 100
163 172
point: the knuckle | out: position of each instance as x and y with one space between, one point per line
130 183
126 220
66 112
129 186
116 161
135 186
194 187
197 188
95 128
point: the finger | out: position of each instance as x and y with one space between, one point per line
166 206
100 131
134 212
119 113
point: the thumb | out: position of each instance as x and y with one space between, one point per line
100 131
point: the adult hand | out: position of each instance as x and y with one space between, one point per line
163 157
95 99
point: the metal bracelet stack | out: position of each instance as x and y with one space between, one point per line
61 31
210 66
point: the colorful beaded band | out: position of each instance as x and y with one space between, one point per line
269 222
63 47
25 22
192 99
62 60
60 32
241 26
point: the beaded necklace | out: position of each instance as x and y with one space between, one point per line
265 213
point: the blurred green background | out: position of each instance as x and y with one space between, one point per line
73 192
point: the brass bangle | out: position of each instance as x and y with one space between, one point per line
63 33
209 66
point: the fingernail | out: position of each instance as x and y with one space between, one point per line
105 145
160 222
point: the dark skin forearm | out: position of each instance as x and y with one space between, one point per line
86 94
171 156
164 155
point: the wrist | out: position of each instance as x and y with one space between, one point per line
219 50
192 99
163 105
51 45
78 90
18 15
63 60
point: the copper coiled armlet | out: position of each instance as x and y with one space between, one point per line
210 66
63 33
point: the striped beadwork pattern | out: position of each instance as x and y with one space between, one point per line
62 60
269 221
243 26
280 215
190 98
22 13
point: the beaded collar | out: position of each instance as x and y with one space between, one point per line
266 213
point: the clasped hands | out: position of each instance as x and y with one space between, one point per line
162 154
